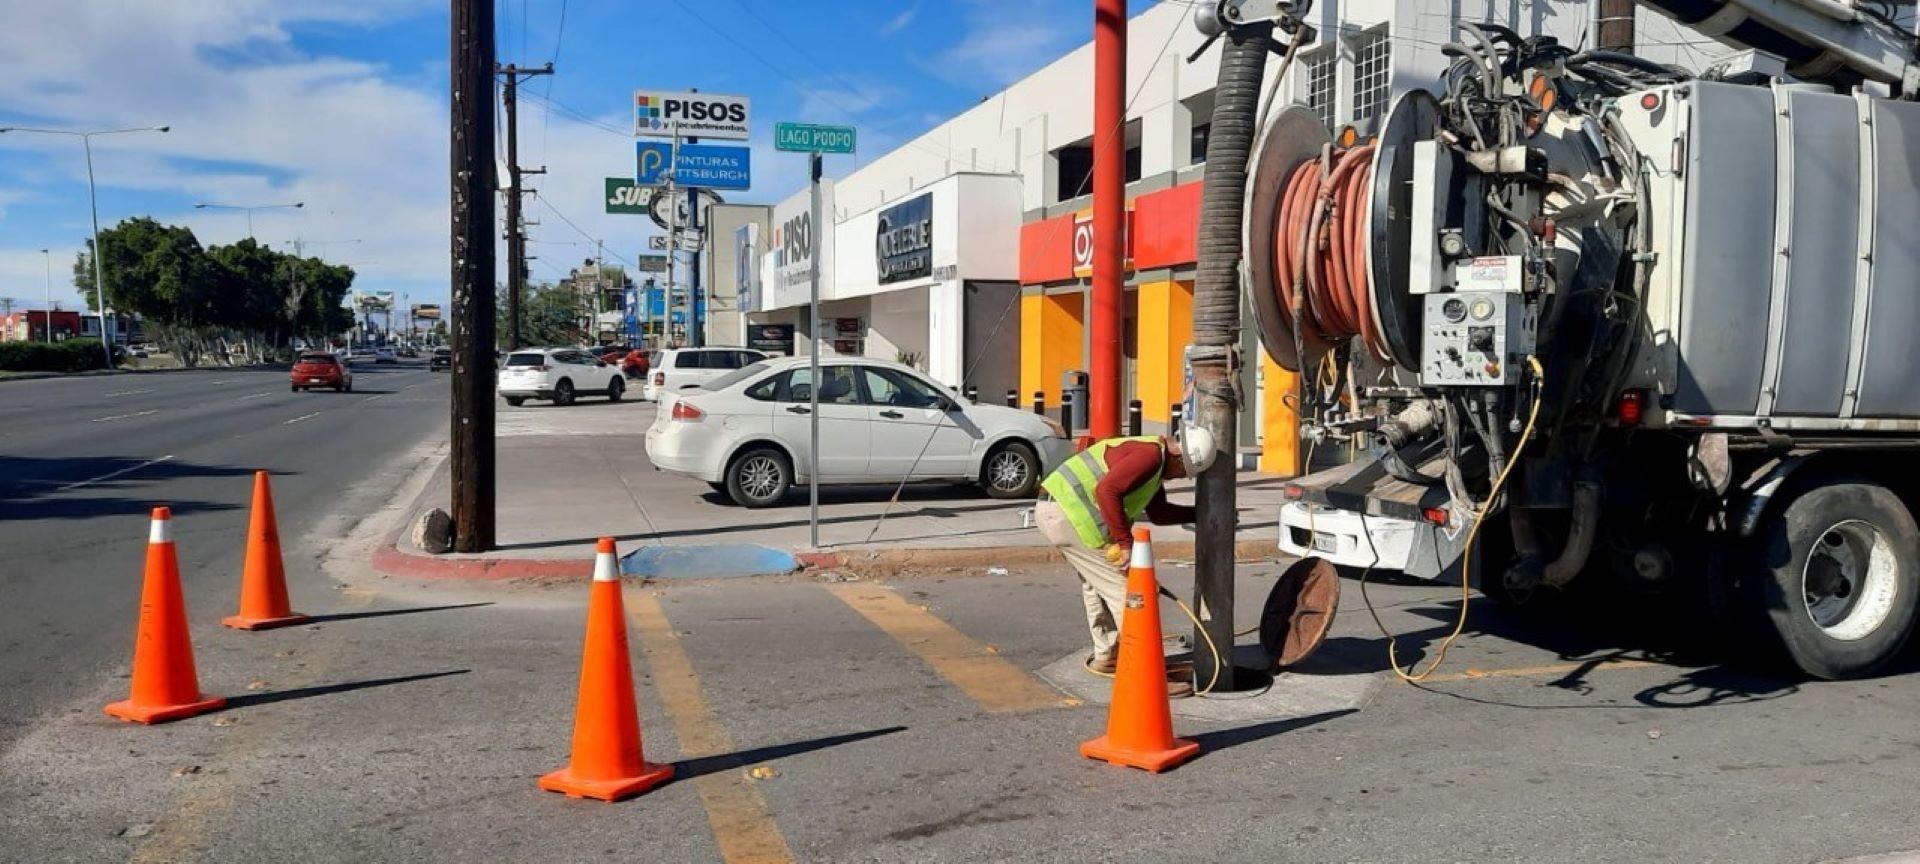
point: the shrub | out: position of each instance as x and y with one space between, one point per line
73 355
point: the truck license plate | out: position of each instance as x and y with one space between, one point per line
1323 543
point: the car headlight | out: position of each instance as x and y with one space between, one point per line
1054 426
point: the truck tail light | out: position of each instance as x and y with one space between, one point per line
1630 407
684 411
1436 515
1291 492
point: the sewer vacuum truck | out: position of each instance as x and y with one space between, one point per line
1585 316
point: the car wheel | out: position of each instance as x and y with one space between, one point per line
760 477
293 388
563 392
516 401
1011 471
349 386
1842 579
615 388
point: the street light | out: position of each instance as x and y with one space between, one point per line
93 204
249 208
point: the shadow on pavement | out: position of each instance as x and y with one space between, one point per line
688 769
754 527
1222 739
250 700
382 613
34 488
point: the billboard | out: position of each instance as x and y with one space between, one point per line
663 114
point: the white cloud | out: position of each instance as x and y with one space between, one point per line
1004 41
899 22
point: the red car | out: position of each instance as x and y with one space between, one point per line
320 369
635 364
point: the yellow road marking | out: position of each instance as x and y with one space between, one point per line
1542 671
183 831
742 826
988 679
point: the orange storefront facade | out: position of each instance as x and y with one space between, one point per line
1161 251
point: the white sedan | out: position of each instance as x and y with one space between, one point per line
746 433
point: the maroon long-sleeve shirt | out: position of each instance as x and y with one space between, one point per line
1129 466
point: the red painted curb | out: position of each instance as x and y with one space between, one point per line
388 559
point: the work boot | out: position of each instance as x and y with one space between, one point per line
1102 666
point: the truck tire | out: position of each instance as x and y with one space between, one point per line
1841 578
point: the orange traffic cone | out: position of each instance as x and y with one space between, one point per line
165 685
608 762
1140 722
263 584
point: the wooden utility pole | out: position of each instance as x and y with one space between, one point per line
473 185
516 236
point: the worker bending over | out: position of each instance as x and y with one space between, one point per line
1087 509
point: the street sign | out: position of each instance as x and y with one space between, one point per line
692 239
654 263
663 114
812 138
626 196
657 242
703 165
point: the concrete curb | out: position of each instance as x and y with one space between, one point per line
391 561
96 373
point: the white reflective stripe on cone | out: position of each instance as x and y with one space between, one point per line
161 532
1143 555
604 568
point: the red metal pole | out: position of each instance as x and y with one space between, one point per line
1109 209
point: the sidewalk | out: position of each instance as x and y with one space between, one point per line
569 476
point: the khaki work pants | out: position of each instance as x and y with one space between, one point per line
1103 584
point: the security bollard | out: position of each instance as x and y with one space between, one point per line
973 393
1133 418
1013 398
1040 402
1066 411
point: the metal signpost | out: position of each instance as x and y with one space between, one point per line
813 140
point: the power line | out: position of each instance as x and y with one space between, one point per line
582 231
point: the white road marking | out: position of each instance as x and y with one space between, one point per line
221 381
371 398
124 416
112 474
130 392
254 396
300 418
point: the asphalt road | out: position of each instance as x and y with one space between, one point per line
84 459
897 716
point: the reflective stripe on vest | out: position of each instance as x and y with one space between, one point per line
1072 487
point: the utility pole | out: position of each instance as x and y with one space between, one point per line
516 237
48 254
1615 32
1109 210
472 185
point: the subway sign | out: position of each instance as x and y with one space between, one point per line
626 196
664 114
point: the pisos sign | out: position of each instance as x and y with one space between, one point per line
662 114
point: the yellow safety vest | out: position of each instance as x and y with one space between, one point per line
1072 485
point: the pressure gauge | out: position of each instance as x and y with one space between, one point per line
1482 309
1455 310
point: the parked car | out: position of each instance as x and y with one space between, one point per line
676 369
636 363
384 356
442 359
408 351
559 374
321 369
607 353
746 433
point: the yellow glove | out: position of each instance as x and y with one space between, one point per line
1117 554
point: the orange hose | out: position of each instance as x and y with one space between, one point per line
1320 270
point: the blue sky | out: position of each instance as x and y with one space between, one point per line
342 104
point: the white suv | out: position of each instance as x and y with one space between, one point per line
676 369
559 374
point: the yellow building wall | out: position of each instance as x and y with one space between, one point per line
1166 329
1279 423
1051 330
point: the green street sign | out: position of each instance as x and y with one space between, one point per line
626 196
810 138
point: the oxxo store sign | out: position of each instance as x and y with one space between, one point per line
903 249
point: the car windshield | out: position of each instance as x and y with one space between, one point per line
736 376
526 359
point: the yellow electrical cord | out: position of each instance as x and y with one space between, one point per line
1466 553
1204 635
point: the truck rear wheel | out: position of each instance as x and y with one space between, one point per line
1842 564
